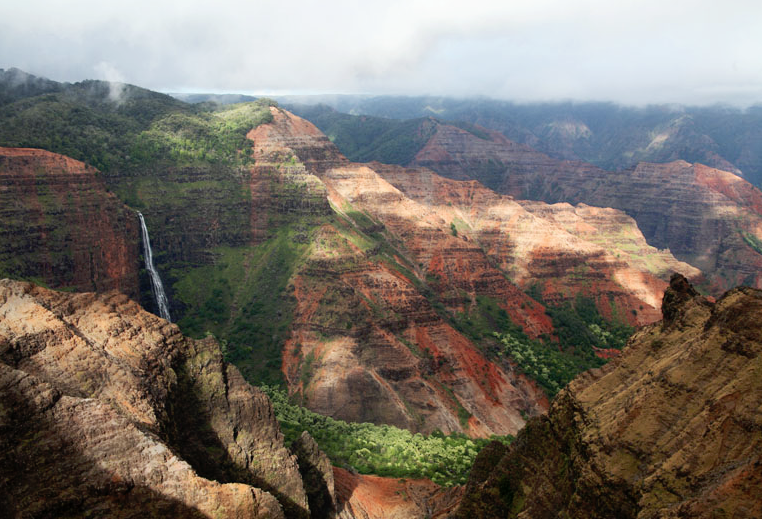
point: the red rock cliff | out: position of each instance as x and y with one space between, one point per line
60 226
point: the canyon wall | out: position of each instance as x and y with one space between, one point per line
669 429
706 217
60 226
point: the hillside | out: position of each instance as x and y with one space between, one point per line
670 429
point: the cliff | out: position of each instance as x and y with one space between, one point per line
376 287
61 227
706 217
366 342
562 249
108 409
669 429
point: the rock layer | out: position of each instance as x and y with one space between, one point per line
61 227
369 342
118 413
699 213
669 429
373 497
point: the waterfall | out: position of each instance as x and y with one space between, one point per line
156 287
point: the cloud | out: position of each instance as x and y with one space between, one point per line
117 87
630 51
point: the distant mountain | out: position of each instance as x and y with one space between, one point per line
610 136
220 99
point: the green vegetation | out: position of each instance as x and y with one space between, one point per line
579 328
486 318
550 366
365 139
217 137
243 299
128 129
383 450
752 241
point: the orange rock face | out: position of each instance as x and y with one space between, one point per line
61 226
699 214
369 342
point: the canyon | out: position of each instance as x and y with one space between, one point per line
415 296
355 280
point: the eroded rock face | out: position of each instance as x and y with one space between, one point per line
368 342
60 226
109 409
567 250
699 213
670 429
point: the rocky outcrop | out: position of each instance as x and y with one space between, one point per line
61 227
669 429
108 409
706 217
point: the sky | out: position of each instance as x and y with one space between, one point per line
631 52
